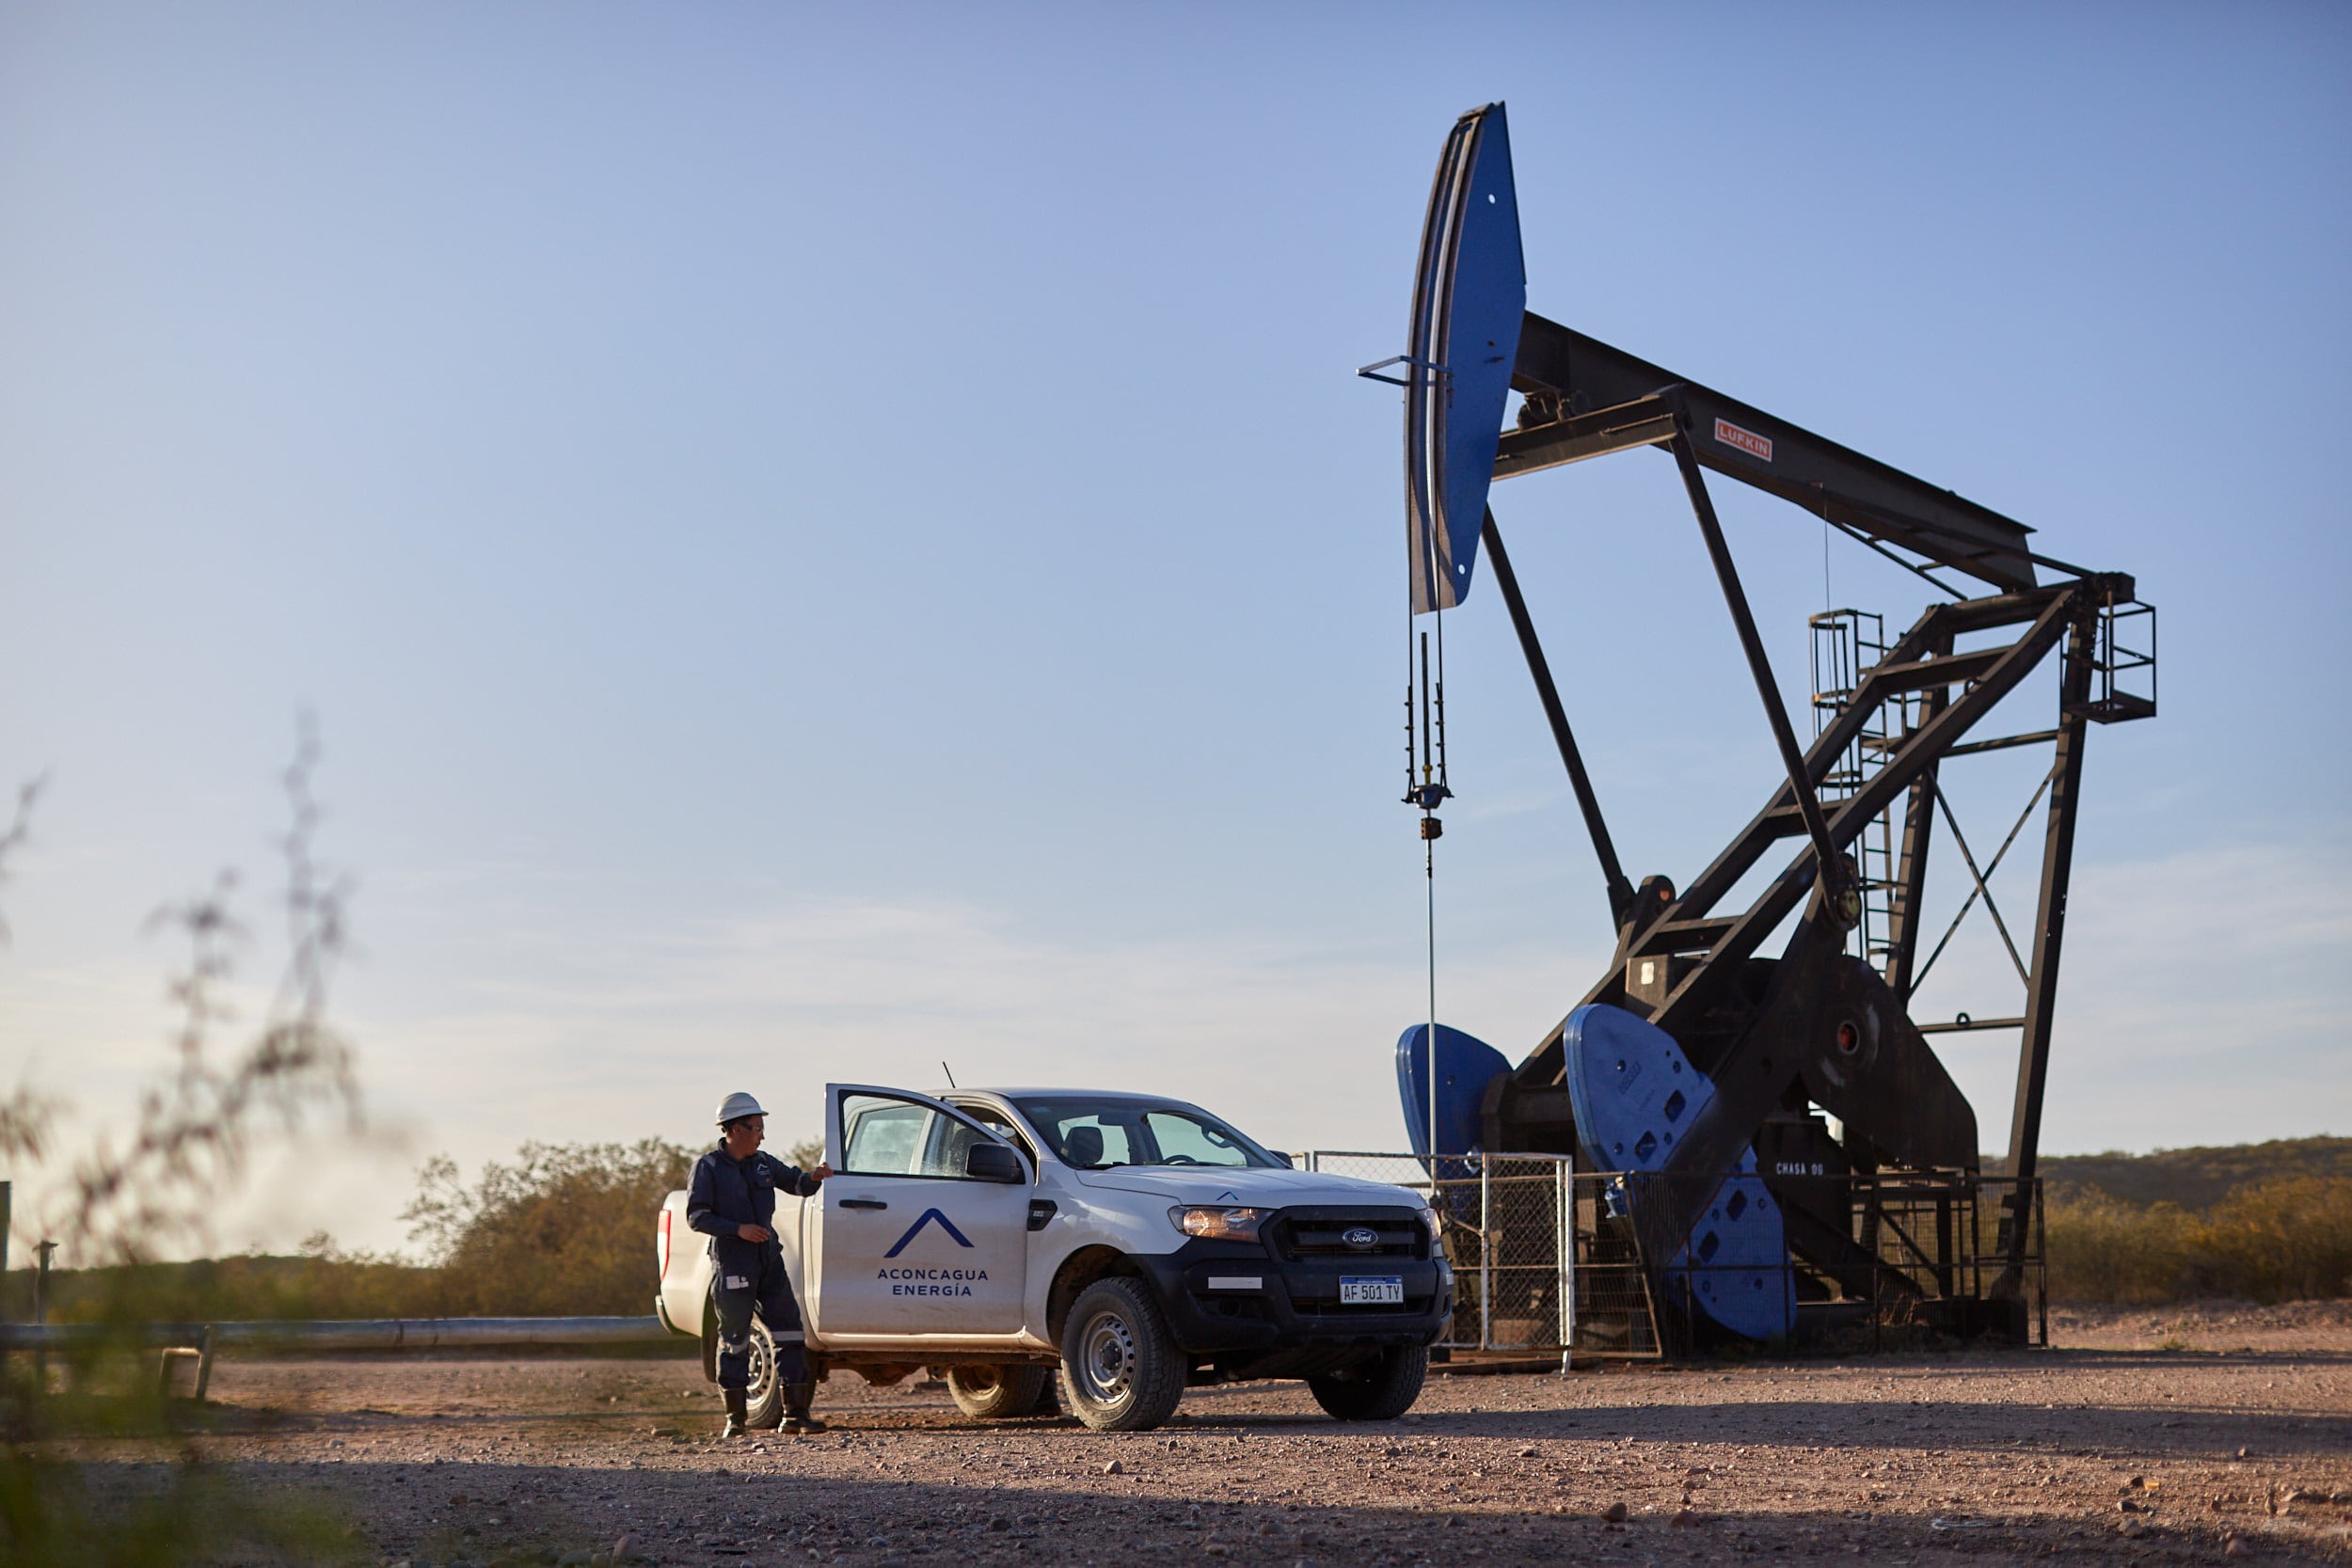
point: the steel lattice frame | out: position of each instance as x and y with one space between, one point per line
1775 1035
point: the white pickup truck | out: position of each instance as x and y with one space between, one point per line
1136 1244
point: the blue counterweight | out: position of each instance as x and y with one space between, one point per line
1633 1093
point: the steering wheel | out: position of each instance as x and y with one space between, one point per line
1178 1160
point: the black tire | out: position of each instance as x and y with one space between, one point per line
996 1393
1120 1370
1379 1390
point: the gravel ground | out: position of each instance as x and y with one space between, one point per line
2235 1443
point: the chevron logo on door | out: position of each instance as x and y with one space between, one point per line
929 1215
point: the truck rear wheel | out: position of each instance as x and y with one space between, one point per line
1119 1369
998 1393
763 1393
1379 1390
763 1390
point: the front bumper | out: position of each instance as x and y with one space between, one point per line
1223 1297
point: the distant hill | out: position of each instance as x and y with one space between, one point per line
2192 1177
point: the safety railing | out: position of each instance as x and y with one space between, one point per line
201 1342
1878 1260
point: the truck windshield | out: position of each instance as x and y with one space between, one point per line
1096 1134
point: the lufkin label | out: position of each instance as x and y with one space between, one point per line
931 1282
1746 441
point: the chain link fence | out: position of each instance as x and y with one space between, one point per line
1549 1261
1525 1279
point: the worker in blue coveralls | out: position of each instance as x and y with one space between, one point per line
733 1201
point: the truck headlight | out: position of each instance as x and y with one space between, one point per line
1430 1217
1219 1225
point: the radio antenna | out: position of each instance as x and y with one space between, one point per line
951 1077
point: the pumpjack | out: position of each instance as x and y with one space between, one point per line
1700 1072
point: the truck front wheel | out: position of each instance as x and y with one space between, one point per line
1119 1369
998 1393
1379 1390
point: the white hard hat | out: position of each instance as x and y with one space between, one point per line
737 1106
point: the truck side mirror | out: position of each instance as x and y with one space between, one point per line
993 1162
1282 1158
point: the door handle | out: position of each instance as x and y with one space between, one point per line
864 1203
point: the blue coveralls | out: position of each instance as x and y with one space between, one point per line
728 1193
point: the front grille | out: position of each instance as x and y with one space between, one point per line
1300 1233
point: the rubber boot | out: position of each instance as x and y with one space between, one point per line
738 1413
796 1415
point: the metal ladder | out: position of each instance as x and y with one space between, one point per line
1847 643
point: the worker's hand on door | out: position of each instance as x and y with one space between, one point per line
752 1232
821 1171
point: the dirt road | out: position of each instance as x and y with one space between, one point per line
2105 1449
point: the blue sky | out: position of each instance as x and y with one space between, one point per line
823 540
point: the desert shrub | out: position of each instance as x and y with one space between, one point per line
2101 1248
2287 1238
567 1230
128 1198
2195 1178
321 1282
563 1231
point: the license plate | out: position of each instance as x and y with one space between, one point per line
1372 1293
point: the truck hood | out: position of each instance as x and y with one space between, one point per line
1264 1189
